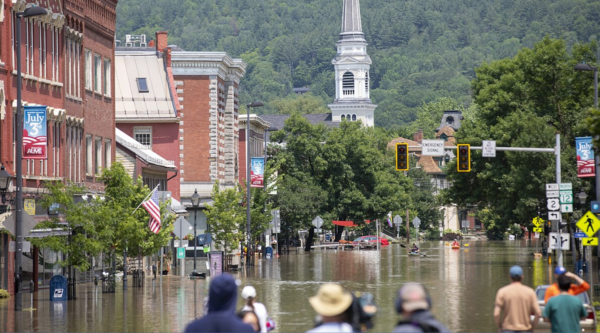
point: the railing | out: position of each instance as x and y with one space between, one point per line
389 234
348 92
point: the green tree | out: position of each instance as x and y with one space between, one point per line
226 217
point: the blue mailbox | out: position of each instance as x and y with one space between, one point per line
269 252
58 288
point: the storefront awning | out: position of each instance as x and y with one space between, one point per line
345 223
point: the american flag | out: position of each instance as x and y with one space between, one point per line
151 206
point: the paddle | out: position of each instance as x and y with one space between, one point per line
404 246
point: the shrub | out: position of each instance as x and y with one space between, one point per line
4 294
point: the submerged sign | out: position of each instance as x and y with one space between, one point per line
34 132
257 172
585 157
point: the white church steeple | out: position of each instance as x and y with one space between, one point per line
352 63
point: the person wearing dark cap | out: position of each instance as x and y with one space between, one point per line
576 288
514 304
414 304
221 317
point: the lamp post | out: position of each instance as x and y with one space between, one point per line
27 13
255 104
5 181
588 68
195 198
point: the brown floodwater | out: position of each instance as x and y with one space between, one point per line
462 284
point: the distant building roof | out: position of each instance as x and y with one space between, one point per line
142 152
301 91
451 118
429 165
141 86
411 143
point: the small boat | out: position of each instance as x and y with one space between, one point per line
455 247
414 254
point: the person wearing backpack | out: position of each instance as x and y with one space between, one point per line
414 304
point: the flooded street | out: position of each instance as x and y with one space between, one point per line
462 284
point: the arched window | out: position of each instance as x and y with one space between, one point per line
367 82
353 117
343 117
348 84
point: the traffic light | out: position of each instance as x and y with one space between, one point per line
402 157
464 158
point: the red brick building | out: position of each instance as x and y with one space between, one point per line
67 58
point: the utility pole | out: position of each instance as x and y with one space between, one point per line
559 253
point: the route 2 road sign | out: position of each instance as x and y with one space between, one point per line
566 208
553 216
537 230
589 224
590 241
558 241
553 204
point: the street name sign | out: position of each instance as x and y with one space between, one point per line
553 204
488 148
590 241
566 208
536 230
432 148
589 224
580 235
551 187
558 241
554 216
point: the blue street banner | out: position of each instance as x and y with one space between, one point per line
585 157
35 133
257 172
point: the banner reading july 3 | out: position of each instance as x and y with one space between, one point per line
34 132
257 171
585 157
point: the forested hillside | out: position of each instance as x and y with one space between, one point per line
421 49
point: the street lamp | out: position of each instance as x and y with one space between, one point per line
582 197
255 104
195 198
27 13
5 181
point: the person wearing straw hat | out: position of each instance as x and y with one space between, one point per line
331 303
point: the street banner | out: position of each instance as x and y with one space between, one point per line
34 133
257 172
585 157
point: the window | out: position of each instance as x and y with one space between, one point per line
343 117
97 72
367 82
89 168
107 153
107 77
98 155
353 117
88 69
143 135
348 84
142 85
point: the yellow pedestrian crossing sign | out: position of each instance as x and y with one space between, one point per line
538 229
589 224
537 221
589 241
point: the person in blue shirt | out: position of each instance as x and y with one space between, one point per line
564 311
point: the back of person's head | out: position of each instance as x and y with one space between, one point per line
516 273
564 282
412 297
249 294
222 295
249 317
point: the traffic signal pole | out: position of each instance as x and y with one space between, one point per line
559 250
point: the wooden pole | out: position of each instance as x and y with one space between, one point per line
407 228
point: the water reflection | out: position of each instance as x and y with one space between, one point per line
462 285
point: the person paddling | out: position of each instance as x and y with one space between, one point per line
455 243
414 249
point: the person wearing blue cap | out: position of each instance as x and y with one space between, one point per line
514 304
578 287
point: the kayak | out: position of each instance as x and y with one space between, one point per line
414 253
455 247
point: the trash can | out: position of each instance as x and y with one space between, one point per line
269 252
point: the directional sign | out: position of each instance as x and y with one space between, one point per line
591 241
565 186
589 224
566 208
553 216
537 221
595 206
551 187
488 148
416 222
552 194
579 235
397 220
558 241
536 230
180 253
566 196
317 222
553 204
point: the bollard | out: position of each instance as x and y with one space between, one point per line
31 292
96 280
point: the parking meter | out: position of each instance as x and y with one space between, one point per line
31 286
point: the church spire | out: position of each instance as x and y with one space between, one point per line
351 16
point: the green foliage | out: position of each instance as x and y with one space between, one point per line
515 230
432 234
421 49
226 217
522 102
305 103
4 294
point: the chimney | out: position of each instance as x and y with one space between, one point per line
168 57
418 136
161 41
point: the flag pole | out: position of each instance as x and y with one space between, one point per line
154 190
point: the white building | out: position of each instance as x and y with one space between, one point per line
352 64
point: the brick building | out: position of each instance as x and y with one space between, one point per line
66 61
